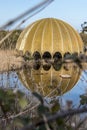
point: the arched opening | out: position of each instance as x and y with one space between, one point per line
67 55
85 48
75 55
36 55
46 67
27 55
57 66
46 55
57 56
36 65
82 57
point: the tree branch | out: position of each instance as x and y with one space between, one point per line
61 114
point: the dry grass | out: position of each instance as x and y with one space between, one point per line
10 60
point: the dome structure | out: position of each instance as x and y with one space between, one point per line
50 35
51 38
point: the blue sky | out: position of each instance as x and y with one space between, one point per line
71 11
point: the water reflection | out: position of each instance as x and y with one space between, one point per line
30 80
79 89
11 80
50 80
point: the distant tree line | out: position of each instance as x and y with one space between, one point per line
10 42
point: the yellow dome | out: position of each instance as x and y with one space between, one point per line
55 37
50 35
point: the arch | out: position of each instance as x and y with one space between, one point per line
57 56
36 65
36 55
46 55
27 55
67 55
46 67
57 66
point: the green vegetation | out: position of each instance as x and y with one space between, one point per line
23 112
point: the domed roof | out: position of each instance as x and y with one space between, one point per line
50 35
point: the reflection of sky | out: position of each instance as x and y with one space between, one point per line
11 80
78 89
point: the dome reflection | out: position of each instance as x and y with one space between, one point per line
50 82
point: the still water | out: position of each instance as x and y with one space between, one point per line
47 79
